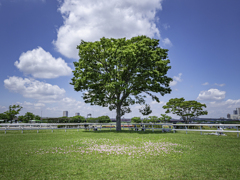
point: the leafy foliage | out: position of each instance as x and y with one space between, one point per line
92 120
145 110
13 111
153 119
77 119
3 116
29 116
21 118
185 109
136 120
104 119
114 73
165 118
37 117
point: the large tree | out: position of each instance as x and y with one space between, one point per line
185 109
13 110
115 73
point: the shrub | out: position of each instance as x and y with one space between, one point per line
136 120
77 119
104 119
92 120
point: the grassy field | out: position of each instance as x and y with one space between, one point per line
112 155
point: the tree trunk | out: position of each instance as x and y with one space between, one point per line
118 119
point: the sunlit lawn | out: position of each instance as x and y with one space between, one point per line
110 155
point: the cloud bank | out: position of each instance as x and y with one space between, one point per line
89 20
31 88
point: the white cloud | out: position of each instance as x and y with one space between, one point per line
167 42
31 88
219 84
41 64
90 20
206 83
31 106
166 26
211 94
176 79
2 109
155 102
230 103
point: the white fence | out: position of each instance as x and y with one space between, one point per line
128 126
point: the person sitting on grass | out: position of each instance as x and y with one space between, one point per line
220 128
85 126
136 128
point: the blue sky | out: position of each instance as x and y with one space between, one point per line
38 40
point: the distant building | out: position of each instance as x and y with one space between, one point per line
65 113
236 114
238 111
77 114
228 116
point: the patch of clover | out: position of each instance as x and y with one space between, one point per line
115 147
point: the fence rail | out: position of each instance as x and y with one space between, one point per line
130 126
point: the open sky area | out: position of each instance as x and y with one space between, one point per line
38 40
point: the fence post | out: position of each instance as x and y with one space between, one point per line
186 129
78 127
52 128
5 130
237 133
22 129
65 128
201 129
100 127
152 128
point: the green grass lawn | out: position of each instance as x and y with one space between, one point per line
112 155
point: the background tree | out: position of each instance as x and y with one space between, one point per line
185 109
3 116
115 72
153 119
104 119
136 120
21 118
165 118
37 117
29 116
92 120
13 111
78 119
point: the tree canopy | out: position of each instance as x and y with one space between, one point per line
29 116
117 73
13 110
185 109
165 118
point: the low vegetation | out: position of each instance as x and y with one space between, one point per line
118 155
